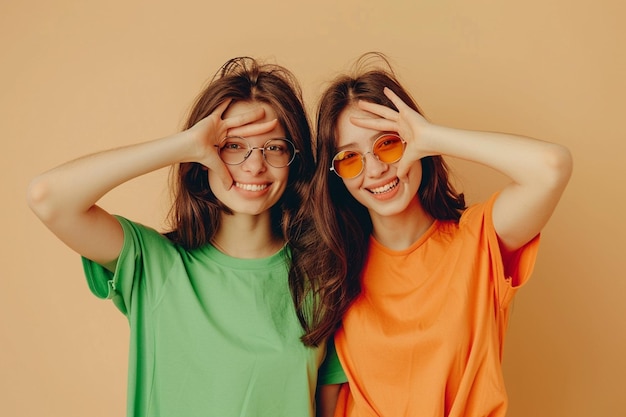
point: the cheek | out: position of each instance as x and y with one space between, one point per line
280 175
353 186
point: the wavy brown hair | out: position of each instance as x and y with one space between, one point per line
343 223
196 211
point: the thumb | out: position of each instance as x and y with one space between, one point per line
404 167
221 172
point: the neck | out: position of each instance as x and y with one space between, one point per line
399 231
246 237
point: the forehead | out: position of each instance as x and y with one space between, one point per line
241 107
348 134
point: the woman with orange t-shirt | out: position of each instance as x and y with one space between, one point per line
428 281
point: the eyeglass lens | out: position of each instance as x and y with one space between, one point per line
387 148
277 152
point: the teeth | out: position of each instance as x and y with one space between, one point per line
385 188
251 187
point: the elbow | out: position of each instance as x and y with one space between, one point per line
38 199
559 165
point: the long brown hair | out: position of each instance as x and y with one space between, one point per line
196 211
345 224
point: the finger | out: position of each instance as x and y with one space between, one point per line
219 110
245 118
397 101
219 169
382 125
253 129
378 109
404 166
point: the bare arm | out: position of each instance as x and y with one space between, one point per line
65 197
539 170
326 398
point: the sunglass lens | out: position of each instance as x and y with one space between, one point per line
348 164
389 148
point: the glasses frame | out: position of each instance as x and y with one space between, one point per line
252 148
362 155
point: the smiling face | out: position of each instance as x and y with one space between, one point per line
378 188
257 185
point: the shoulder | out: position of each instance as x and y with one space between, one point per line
141 231
475 223
141 240
478 213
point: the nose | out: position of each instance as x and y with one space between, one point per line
255 161
373 166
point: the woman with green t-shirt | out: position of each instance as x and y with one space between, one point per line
221 312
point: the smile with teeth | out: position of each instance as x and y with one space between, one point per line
385 188
251 187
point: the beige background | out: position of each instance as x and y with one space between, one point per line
81 76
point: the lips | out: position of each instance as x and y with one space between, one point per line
385 188
251 187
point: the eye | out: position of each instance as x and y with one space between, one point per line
276 148
346 155
234 145
387 142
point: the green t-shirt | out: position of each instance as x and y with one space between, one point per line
211 335
331 371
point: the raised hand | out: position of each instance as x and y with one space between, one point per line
209 131
406 122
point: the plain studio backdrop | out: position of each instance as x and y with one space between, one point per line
78 77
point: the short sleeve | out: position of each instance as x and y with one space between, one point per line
144 252
330 371
507 280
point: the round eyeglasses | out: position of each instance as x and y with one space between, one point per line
279 153
388 148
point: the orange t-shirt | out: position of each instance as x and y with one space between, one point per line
425 336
